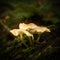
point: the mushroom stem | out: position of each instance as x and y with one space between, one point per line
31 41
23 42
38 37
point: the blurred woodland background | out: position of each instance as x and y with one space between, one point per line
41 12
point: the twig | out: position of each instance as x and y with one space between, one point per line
5 26
7 29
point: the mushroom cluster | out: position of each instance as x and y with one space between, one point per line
28 30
